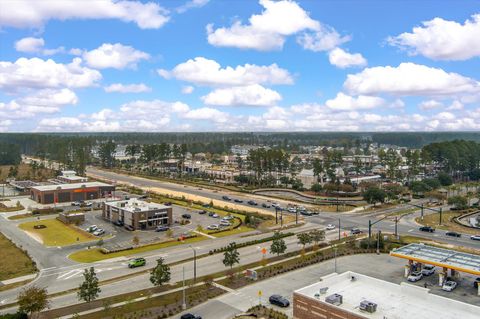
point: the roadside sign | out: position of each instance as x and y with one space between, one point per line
264 250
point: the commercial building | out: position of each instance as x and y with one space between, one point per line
354 296
70 192
71 177
137 214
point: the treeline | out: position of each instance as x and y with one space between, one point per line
455 156
419 139
10 154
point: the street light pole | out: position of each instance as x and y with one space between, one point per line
194 264
184 304
339 231
276 215
335 257
440 215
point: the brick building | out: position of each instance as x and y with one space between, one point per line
62 193
137 214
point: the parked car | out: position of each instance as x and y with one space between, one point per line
167 203
129 227
213 227
77 203
162 228
214 215
476 282
206 205
190 316
225 223
355 231
427 229
118 223
449 285
236 200
415 276
87 204
92 228
143 197
331 227
292 209
136 262
186 216
228 217
475 237
453 234
306 213
428 270
252 202
202 212
226 198
279 301
265 205
99 232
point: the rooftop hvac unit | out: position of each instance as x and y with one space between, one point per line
368 306
335 299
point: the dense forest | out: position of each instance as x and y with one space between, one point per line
218 142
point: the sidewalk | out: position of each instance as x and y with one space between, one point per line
17 279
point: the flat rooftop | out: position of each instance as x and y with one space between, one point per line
46 188
135 205
441 257
393 301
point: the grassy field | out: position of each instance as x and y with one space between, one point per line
15 262
57 233
447 222
93 255
25 172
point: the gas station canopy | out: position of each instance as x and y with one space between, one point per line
440 257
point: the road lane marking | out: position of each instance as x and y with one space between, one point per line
70 274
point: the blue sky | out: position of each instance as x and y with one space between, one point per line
239 65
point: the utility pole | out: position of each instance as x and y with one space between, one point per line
396 230
421 212
339 231
440 211
184 304
296 216
378 242
369 232
281 218
276 215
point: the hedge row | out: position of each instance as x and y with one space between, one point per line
250 243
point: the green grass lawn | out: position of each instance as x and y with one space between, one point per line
95 254
447 222
57 233
15 262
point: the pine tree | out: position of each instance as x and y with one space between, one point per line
160 274
278 245
231 256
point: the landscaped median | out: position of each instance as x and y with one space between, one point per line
52 232
433 220
15 262
96 254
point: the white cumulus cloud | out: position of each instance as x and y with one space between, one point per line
430 104
409 79
265 31
441 39
206 113
38 73
344 102
202 71
35 13
117 56
29 45
342 59
325 38
191 5
251 95
127 88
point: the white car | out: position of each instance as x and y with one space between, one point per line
475 237
99 232
330 226
228 217
225 223
428 270
92 228
213 227
449 285
292 210
415 276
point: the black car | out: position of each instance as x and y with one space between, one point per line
190 316
118 223
238 200
279 301
202 212
186 216
265 205
167 203
355 231
226 198
252 202
211 214
427 229
453 234
206 205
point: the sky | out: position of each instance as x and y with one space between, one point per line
239 65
